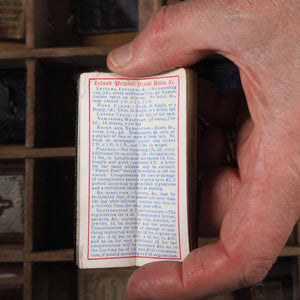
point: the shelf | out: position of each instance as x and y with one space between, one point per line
65 54
290 251
21 152
14 256
7 45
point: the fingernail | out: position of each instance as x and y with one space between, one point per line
121 56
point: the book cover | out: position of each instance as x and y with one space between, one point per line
11 203
136 168
12 19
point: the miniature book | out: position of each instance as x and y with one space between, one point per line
136 168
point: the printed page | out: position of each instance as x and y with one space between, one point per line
161 189
134 194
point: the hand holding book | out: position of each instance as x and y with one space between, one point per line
257 204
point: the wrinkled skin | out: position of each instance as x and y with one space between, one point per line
254 207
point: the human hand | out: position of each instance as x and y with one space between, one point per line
255 206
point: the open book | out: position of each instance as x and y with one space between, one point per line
136 168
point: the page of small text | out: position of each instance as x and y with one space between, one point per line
134 169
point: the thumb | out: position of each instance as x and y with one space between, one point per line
157 48
180 35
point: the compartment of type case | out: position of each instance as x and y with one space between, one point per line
54 204
54 280
11 281
88 23
12 202
12 106
56 98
